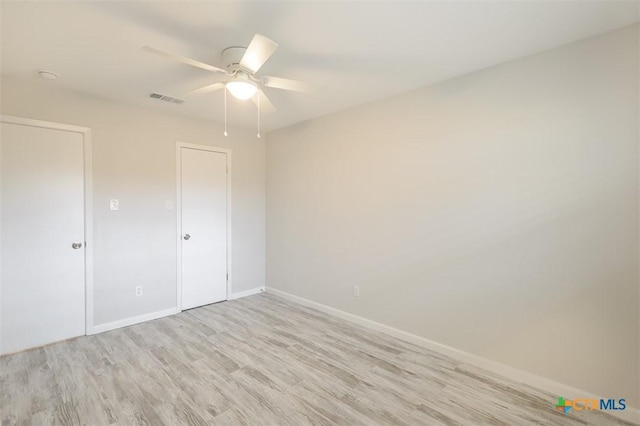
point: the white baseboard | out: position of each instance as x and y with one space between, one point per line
520 376
159 314
134 320
246 293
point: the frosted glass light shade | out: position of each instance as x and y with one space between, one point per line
242 89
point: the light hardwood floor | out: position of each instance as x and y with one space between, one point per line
261 361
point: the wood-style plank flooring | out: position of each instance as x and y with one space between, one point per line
260 361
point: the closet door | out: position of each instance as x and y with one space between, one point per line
203 227
42 239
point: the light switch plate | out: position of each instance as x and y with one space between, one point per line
113 205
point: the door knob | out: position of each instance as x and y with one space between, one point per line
76 245
186 236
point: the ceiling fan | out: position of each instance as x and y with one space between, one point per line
238 75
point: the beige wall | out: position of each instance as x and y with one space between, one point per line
496 213
134 161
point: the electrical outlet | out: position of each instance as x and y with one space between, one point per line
356 290
139 290
114 205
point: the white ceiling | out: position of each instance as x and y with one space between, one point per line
358 51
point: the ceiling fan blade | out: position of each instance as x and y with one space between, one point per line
263 103
288 84
182 59
259 50
206 89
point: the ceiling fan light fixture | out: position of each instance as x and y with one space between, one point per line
242 89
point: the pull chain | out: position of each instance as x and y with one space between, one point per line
225 111
258 114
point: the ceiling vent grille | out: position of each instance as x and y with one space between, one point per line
166 98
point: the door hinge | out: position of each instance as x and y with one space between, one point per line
227 277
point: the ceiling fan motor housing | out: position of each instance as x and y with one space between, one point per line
231 57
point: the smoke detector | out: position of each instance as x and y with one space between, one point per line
49 75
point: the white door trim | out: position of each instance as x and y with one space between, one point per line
179 146
88 204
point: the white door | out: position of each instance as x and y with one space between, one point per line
203 227
42 216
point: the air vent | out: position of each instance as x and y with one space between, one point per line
166 98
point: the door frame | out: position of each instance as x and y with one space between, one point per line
179 147
88 206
